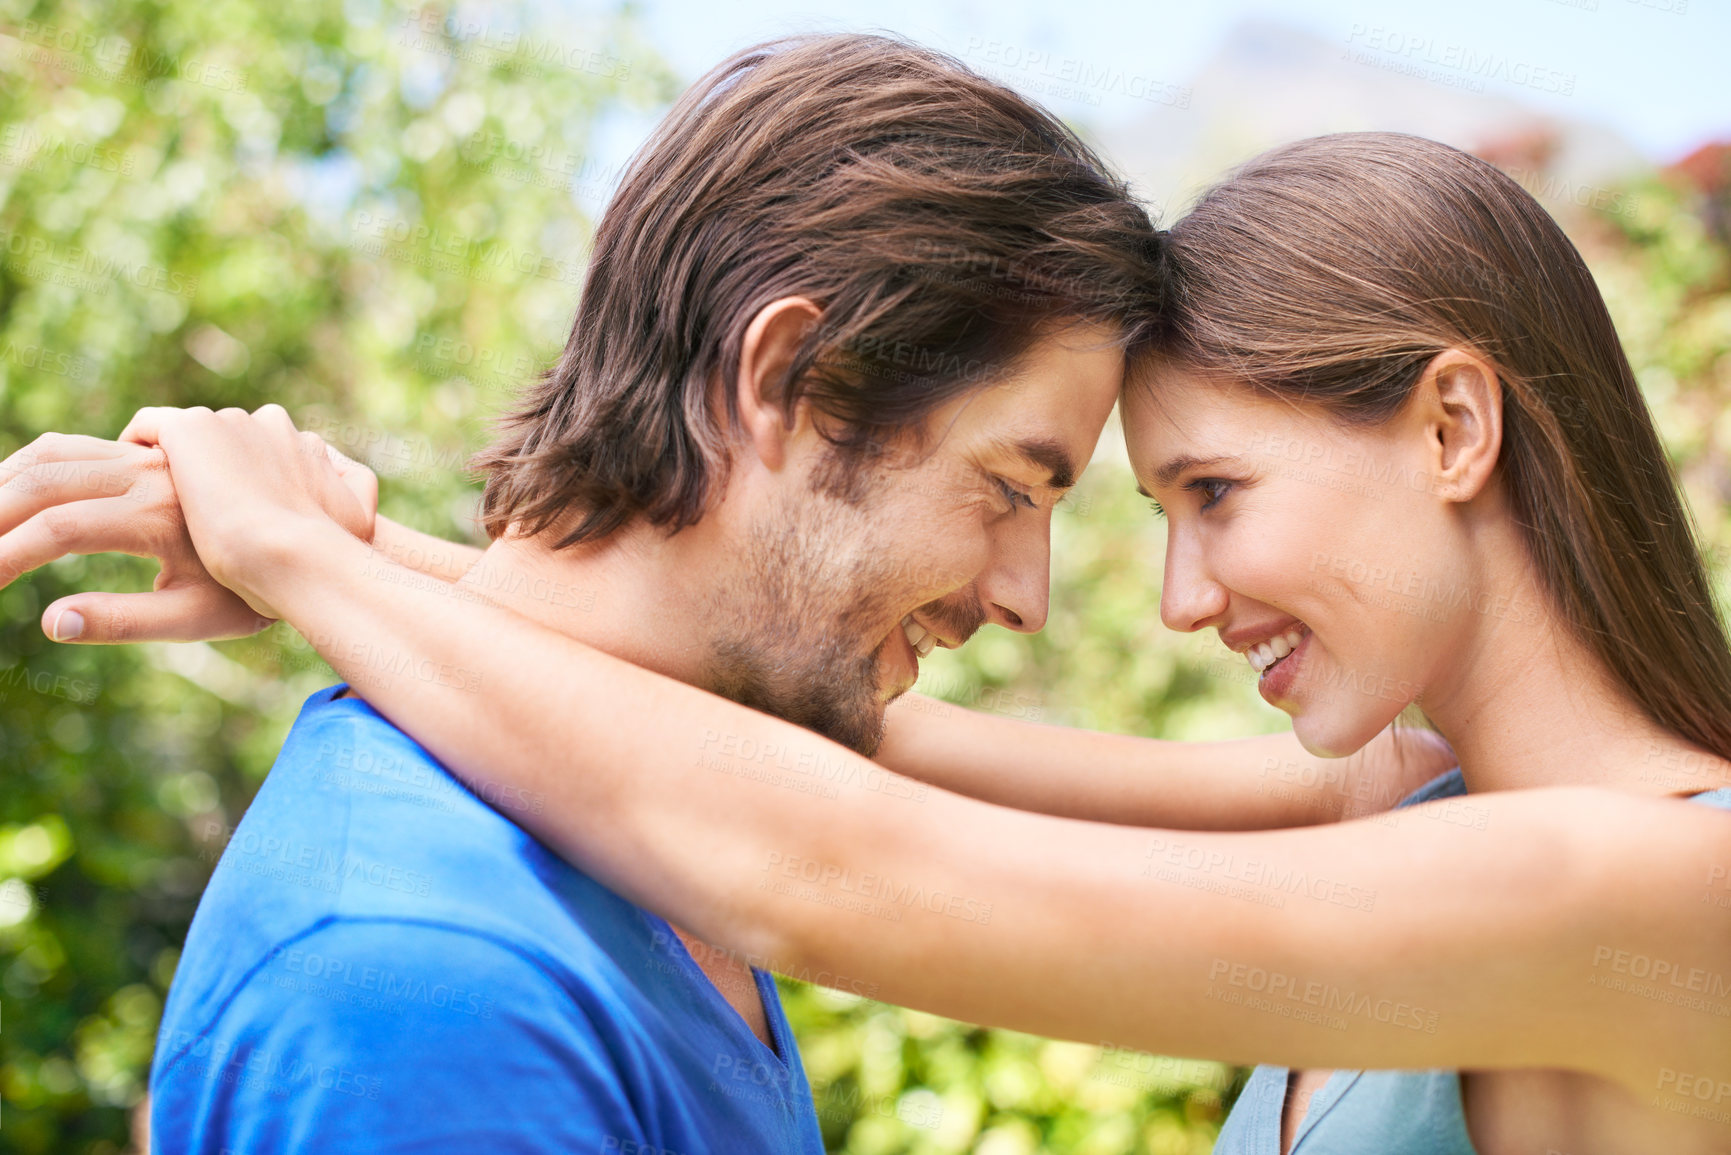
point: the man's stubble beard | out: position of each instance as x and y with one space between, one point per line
807 596
818 582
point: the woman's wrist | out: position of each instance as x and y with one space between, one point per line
277 572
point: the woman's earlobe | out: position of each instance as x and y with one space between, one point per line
1468 425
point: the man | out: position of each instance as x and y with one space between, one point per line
854 320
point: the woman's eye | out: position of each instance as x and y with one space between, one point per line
1016 497
1159 510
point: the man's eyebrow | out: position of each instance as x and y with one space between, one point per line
1046 453
1169 472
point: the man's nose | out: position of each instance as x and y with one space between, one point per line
1016 586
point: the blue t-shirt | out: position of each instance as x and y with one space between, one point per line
384 963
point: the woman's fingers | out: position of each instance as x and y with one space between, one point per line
361 481
99 525
147 424
273 416
240 478
352 500
79 495
28 492
150 425
188 613
60 447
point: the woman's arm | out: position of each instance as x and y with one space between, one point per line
49 507
1440 936
422 552
1489 934
1259 783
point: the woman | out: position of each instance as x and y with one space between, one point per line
1403 459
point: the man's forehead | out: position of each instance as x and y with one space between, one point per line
1045 423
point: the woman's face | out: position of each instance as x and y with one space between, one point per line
1317 549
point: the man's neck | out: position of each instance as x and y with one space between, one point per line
631 595
624 594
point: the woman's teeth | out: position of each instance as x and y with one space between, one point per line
921 639
1265 654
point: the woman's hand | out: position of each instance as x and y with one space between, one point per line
247 482
67 494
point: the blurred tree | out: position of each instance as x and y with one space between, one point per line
373 216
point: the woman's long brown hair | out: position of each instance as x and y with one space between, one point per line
1332 270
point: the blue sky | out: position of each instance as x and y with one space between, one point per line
1657 71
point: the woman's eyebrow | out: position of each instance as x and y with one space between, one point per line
1169 472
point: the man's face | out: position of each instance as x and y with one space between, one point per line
830 603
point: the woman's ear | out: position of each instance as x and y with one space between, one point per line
1463 422
772 340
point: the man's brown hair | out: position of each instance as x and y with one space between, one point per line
940 221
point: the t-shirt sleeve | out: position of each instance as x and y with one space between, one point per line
390 1038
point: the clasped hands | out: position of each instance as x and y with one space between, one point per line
214 497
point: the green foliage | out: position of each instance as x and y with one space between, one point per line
359 212
365 214
1665 268
889 1081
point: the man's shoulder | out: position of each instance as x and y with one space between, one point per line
357 810
357 823
430 1026
342 750
393 1036
363 950
416 977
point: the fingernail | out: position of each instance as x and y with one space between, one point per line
68 625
